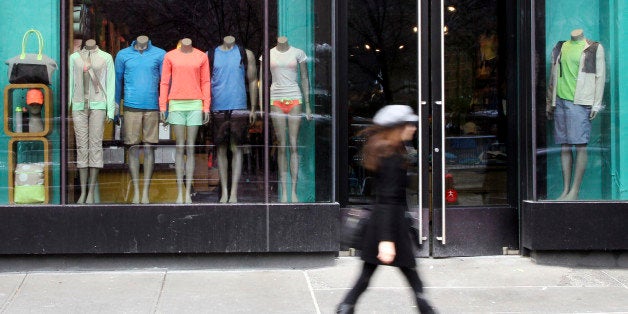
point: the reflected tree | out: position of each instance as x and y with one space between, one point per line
382 49
206 22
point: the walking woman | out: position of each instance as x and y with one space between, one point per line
387 238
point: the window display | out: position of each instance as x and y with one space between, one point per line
579 142
164 108
575 93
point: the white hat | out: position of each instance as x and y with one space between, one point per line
394 114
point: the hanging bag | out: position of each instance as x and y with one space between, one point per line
354 224
27 68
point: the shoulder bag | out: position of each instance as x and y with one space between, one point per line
27 68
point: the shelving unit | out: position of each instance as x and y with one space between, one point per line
21 137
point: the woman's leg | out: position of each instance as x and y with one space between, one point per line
360 286
417 286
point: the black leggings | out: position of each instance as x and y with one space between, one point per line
411 275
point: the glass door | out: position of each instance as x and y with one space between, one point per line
446 59
472 161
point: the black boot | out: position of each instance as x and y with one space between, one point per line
344 308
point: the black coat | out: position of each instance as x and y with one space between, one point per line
388 222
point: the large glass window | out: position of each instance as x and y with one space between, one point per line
165 104
580 136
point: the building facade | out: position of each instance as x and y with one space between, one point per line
497 167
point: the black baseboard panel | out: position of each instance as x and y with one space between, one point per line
571 226
151 229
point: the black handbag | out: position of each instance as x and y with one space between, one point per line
354 224
31 67
414 230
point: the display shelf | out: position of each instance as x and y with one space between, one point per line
9 110
12 163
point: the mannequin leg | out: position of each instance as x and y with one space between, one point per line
294 122
279 125
93 181
189 163
223 170
179 132
134 170
149 165
96 193
566 160
236 171
582 158
83 175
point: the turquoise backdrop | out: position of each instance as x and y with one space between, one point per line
16 17
297 23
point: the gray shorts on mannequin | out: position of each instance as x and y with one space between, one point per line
230 125
89 125
571 123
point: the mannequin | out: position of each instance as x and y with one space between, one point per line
138 71
230 79
34 104
91 93
185 93
287 96
576 87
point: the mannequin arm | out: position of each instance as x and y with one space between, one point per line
205 118
305 89
260 92
251 76
593 114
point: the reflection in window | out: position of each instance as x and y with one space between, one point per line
475 103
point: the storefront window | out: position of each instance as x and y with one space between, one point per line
165 105
580 131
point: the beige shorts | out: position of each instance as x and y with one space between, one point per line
141 126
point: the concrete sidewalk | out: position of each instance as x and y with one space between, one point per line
454 285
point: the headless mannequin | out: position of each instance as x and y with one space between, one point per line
185 139
291 121
141 44
236 161
88 177
570 191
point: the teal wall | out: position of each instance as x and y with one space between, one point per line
16 17
297 23
562 16
616 15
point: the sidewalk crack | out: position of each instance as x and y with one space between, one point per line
13 295
161 291
617 280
